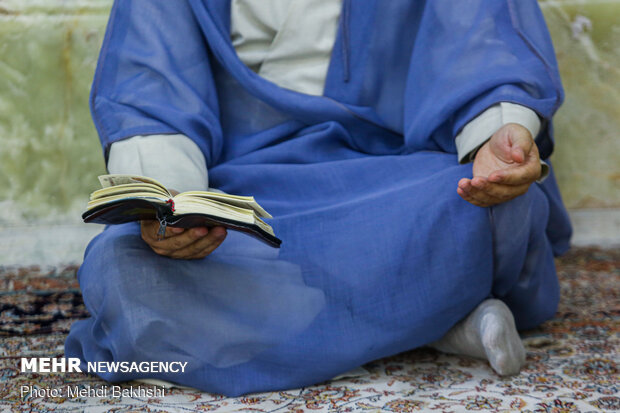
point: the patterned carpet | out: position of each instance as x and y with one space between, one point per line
572 360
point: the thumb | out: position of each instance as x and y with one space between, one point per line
521 142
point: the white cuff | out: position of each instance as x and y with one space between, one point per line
481 128
174 160
544 171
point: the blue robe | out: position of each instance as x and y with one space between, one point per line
380 254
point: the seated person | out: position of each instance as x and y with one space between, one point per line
398 146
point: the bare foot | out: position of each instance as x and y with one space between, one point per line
488 333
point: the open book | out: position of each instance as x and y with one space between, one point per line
126 198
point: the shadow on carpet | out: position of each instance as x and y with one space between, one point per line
572 363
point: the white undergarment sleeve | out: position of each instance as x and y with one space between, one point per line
174 160
286 42
254 25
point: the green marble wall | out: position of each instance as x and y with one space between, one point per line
49 152
586 36
50 155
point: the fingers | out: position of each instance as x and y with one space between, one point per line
473 195
467 197
174 243
150 235
148 230
182 243
479 191
498 192
203 246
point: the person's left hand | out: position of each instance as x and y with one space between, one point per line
504 168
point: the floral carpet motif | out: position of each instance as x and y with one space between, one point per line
572 363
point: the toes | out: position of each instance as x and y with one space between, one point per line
504 365
501 341
508 362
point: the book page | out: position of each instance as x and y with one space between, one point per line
144 195
209 207
127 189
120 179
246 202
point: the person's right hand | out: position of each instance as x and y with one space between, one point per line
189 244
504 167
